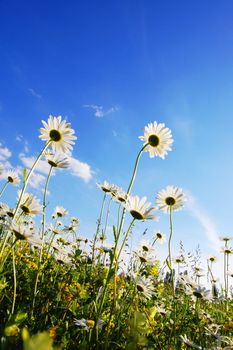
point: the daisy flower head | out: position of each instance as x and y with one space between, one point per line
225 238
20 232
170 198
59 133
106 187
227 250
144 286
140 208
30 204
159 236
57 160
119 195
6 210
158 138
13 177
59 212
146 247
212 258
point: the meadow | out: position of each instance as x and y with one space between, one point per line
60 290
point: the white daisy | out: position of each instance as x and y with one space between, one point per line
20 232
158 138
5 210
170 198
225 238
119 195
13 177
146 247
212 258
144 286
159 236
29 204
227 250
57 160
59 212
60 134
179 259
139 208
106 187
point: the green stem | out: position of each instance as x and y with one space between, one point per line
3 189
42 239
170 252
28 177
117 237
98 228
125 239
15 280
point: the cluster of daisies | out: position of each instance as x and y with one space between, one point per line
59 137
170 198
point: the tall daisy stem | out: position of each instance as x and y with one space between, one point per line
3 189
98 228
170 251
28 177
42 239
119 229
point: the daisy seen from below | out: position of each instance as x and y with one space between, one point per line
119 195
57 160
59 133
145 247
159 236
106 187
170 198
12 177
59 212
30 204
144 286
157 139
140 209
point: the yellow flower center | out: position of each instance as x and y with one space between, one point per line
55 135
90 323
153 140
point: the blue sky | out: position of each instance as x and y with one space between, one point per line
109 68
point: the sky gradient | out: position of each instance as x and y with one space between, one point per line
110 68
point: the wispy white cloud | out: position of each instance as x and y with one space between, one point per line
20 138
42 166
5 153
37 181
100 112
80 169
34 93
77 168
204 219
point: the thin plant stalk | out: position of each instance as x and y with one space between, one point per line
98 227
15 281
3 189
42 239
99 309
28 177
170 251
